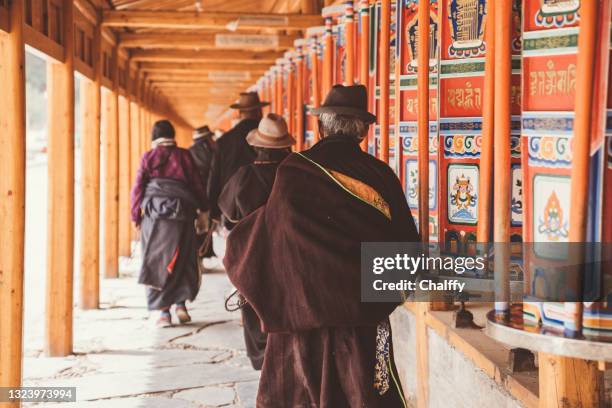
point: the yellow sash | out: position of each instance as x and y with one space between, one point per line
356 188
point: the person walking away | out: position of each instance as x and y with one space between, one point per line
233 151
202 151
166 197
296 260
249 189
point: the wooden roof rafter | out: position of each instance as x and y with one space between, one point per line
204 40
212 20
227 56
4 16
186 67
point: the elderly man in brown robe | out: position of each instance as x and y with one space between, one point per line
297 259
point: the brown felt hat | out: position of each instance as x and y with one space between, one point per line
249 101
347 100
272 133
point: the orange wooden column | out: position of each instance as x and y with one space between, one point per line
270 91
111 186
279 90
364 42
364 52
582 122
141 128
483 229
146 141
12 196
144 132
316 87
124 227
136 145
570 381
383 79
299 100
134 157
501 165
135 137
273 92
290 94
328 58
60 249
582 139
349 32
422 307
90 185
423 118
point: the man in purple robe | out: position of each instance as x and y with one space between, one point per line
296 260
167 194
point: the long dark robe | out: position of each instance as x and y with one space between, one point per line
169 269
202 152
232 153
297 262
247 190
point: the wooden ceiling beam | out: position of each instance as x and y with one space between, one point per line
222 71
88 11
205 41
310 6
193 56
191 79
198 84
187 80
170 95
202 89
169 86
204 66
211 73
213 20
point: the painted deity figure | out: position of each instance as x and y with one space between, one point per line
553 223
463 197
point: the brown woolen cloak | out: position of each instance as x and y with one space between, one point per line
297 262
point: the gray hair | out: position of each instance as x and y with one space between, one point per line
338 124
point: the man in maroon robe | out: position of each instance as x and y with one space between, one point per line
296 260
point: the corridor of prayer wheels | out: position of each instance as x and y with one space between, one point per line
515 146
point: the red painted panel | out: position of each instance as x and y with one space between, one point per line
549 83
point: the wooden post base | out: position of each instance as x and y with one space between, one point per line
569 382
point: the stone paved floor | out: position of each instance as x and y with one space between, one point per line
122 360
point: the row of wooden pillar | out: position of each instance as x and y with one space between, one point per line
114 124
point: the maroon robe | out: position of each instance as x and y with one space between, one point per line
297 262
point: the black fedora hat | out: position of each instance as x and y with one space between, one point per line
201 132
249 101
347 100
